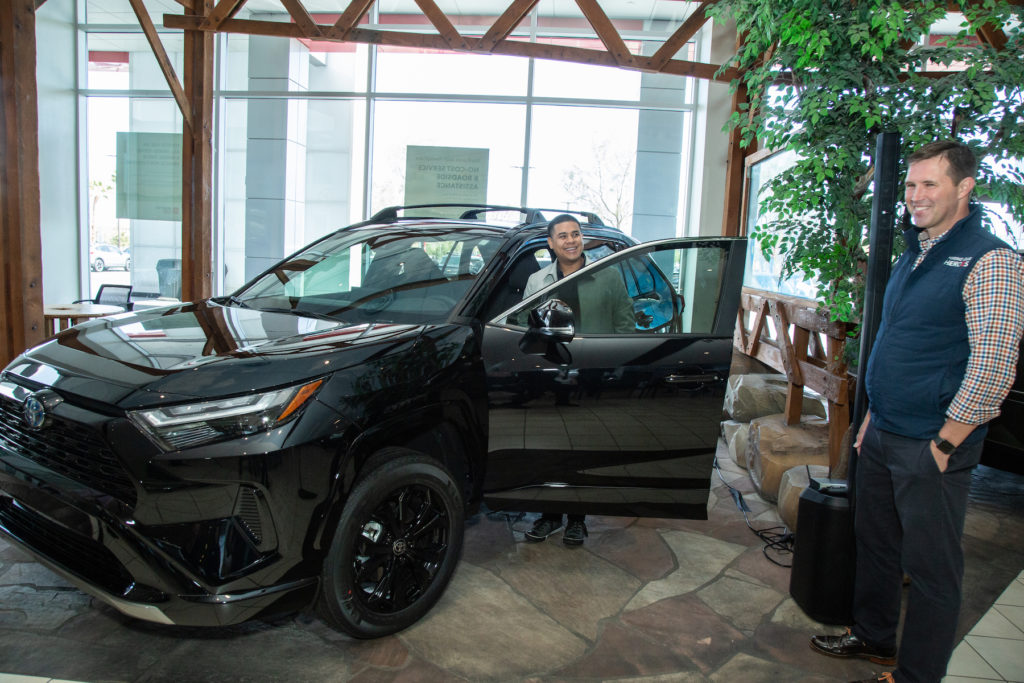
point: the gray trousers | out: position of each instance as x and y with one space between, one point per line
909 517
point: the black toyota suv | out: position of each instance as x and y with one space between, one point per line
320 435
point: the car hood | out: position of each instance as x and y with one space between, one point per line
200 350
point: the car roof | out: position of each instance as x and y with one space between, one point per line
532 222
473 212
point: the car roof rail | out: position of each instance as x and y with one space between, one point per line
472 211
591 218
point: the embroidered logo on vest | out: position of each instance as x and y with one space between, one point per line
958 261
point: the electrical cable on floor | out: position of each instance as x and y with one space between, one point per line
777 539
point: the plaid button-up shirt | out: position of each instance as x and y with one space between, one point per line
994 295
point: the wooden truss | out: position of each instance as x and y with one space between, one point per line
792 336
494 41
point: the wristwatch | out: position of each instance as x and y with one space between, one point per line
943 445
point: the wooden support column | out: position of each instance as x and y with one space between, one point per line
21 283
197 162
735 172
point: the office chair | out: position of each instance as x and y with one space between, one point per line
112 295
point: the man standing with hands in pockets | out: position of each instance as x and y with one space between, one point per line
941 365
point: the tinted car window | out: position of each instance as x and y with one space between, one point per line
395 276
659 301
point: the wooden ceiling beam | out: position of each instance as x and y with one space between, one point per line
444 26
162 60
992 35
349 19
505 24
682 35
225 9
516 48
605 30
302 18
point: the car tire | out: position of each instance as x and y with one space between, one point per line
398 540
127 264
98 265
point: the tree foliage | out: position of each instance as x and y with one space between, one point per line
606 183
824 77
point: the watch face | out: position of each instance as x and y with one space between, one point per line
943 445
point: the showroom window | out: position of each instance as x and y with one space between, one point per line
310 136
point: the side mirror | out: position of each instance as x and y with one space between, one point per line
553 320
552 324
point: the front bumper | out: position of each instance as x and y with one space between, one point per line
194 541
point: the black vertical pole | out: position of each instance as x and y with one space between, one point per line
880 240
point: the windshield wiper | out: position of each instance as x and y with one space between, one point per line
232 300
301 313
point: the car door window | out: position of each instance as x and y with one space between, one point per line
666 289
509 290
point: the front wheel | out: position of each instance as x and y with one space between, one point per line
98 265
396 546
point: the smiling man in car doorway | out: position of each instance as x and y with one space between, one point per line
941 365
601 306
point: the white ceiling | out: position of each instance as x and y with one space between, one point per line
120 11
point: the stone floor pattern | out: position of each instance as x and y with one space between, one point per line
642 600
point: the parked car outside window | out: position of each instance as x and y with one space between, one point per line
105 256
320 435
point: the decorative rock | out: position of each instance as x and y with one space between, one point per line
774 447
794 482
738 445
752 396
729 428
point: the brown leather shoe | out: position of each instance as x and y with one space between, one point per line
849 645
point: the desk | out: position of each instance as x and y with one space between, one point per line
62 316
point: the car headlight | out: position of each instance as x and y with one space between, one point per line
191 424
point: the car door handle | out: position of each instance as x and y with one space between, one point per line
692 379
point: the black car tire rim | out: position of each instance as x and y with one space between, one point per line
398 539
400 549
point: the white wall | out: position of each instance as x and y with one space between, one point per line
707 201
63 242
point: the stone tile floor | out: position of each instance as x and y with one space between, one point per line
642 600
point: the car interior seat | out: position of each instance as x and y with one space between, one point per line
417 266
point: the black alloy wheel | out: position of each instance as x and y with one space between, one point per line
396 546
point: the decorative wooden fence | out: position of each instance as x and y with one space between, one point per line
790 335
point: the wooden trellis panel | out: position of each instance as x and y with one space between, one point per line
790 335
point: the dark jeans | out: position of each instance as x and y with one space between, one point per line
558 518
909 518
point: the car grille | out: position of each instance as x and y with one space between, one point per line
70 449
91 560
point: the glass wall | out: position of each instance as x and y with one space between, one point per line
311 136
133 165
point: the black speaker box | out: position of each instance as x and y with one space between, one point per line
821 581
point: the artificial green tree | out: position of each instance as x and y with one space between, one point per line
824 77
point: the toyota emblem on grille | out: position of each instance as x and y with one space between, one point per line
35 410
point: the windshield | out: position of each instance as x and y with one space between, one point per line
361 275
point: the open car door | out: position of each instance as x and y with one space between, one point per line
590 416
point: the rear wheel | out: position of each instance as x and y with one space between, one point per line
397 543
98 265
